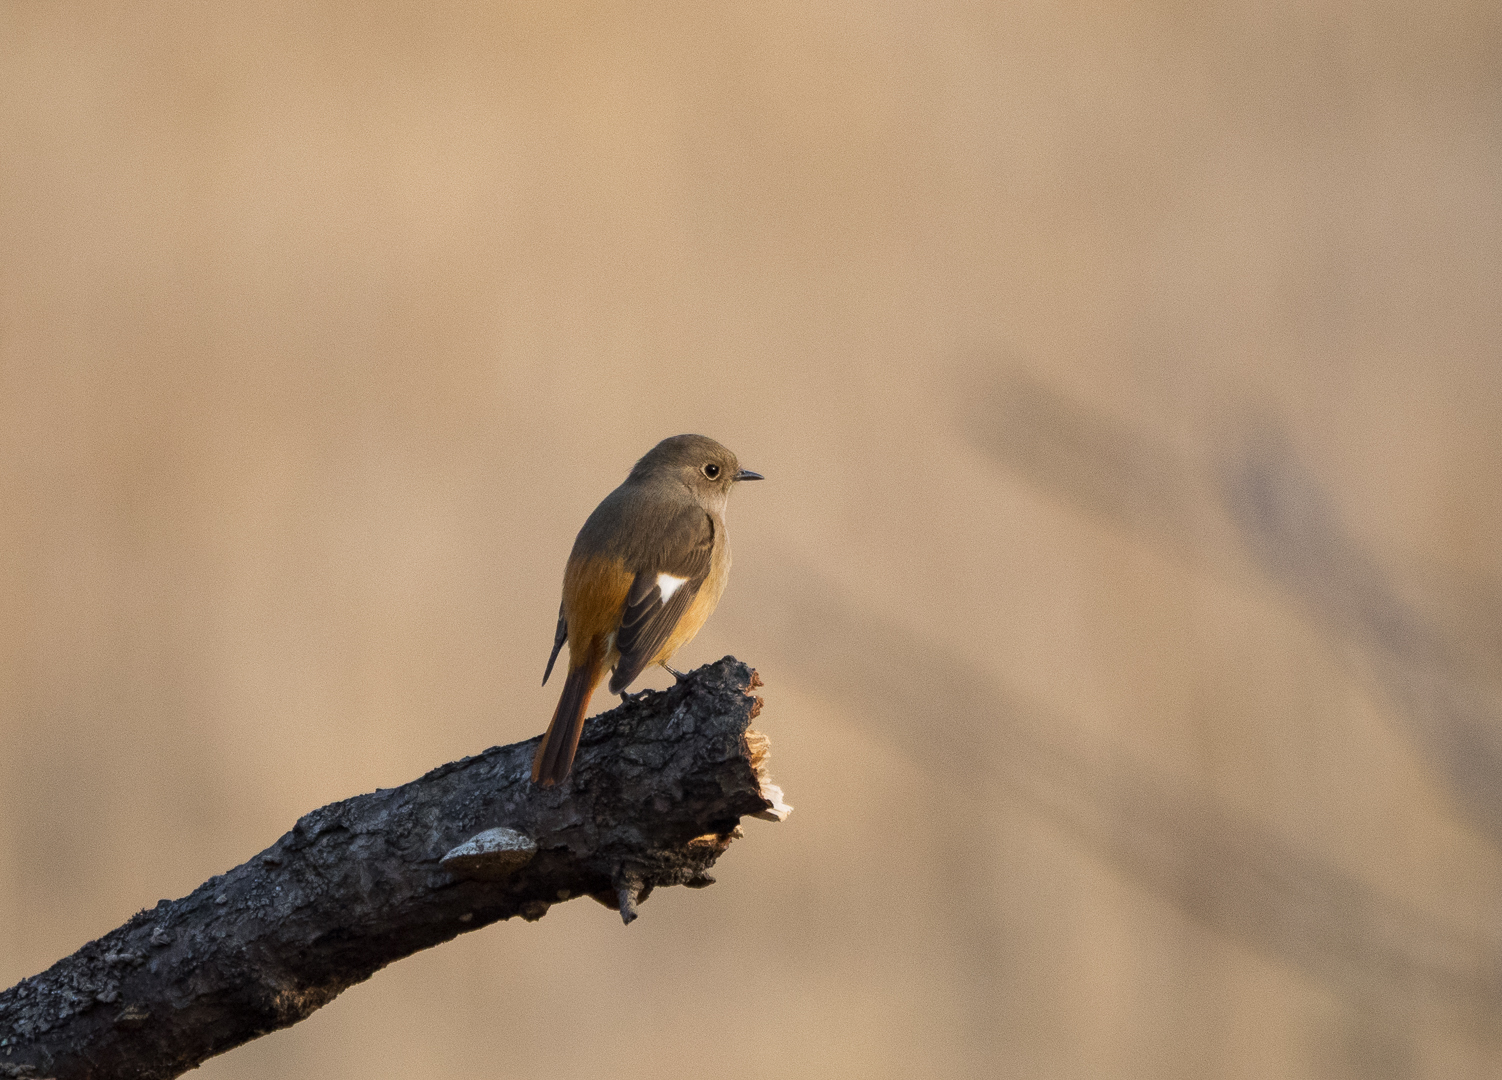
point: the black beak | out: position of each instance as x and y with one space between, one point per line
747 474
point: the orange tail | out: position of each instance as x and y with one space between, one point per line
555 757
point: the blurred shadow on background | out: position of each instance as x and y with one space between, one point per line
1285 522
1289 525
1099 466
1219 869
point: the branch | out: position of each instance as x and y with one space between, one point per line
657 790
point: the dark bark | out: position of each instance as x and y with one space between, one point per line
656 793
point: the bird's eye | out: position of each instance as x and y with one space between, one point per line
711 470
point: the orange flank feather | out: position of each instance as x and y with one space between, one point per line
594 592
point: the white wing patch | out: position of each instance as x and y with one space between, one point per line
669 585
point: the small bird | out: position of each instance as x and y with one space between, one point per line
646 571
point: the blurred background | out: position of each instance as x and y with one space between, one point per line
1127 584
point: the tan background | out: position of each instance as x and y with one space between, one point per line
1127 585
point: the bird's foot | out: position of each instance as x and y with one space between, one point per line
680 676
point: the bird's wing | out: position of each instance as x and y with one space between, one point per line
559 637
666 582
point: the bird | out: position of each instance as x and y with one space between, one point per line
645 572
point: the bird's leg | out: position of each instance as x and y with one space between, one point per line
680 676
